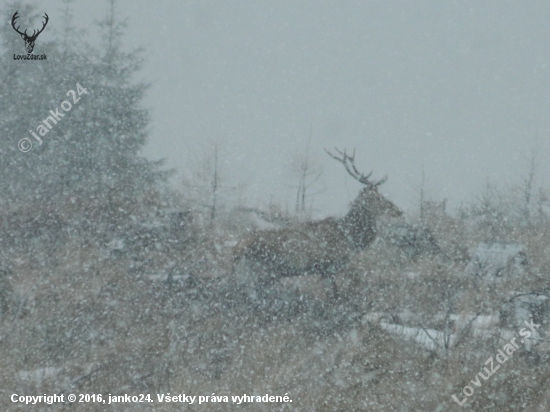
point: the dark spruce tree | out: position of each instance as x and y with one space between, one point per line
88 176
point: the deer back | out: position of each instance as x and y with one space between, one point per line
311 247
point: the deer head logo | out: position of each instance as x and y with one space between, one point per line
29 40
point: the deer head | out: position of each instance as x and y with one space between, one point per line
376 203
29 40
360 222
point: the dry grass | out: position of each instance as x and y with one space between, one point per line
92 322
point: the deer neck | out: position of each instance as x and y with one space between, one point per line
360 225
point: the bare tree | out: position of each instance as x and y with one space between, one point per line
308 171
215 185
422 197
527 187
205 187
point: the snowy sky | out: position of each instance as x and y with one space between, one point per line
460 89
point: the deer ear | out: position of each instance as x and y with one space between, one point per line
22 36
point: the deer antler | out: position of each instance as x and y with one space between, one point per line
349 163
43 25
34 32
34 36
15 16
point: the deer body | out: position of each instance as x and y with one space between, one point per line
321 247
312 247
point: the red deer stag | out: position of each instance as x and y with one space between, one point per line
323 247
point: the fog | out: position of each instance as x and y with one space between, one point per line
458 89
221 283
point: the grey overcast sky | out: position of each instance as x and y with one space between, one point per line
458 88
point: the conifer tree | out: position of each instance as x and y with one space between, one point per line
88 171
